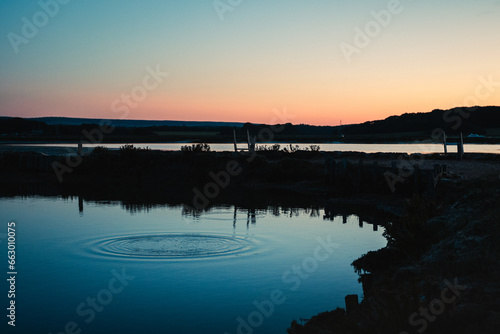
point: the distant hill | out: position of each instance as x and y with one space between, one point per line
127 123
479 125
477 120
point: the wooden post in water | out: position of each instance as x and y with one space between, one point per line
444 143
461 147
251 142
80 147
235 145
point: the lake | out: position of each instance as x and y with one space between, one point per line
107 267
409 148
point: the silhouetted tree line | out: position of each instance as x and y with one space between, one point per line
473 120
453 121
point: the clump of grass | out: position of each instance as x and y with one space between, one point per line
314 148
274 148
132 148
199 147
99 151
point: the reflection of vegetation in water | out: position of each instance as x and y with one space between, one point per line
277 211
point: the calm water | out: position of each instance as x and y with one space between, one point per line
106 268
367 148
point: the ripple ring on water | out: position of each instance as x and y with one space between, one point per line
172 246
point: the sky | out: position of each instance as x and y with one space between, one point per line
321 62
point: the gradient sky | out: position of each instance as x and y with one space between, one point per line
264 54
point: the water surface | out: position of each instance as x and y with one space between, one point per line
328 147
167 269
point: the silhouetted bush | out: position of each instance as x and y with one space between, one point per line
314 148
263 148
132 148
200 147
99 151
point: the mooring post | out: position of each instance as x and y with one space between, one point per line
461 147
235 145
251 143
80 147
444 143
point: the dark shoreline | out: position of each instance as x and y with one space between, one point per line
433 238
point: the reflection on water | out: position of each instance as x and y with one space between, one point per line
330 213
189 271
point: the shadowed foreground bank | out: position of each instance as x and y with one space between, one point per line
210 176
440 272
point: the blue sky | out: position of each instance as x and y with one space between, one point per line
263 55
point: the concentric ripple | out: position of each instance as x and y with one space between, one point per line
172 246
